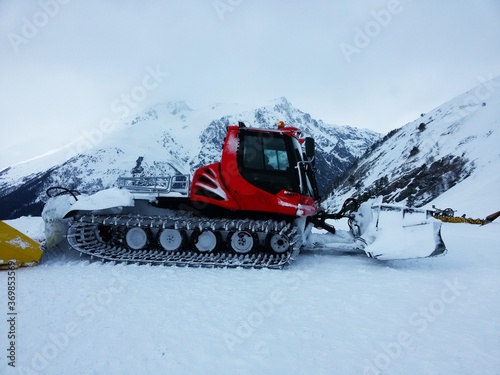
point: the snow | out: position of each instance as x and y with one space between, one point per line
419 240
325 314
19 242
32 227
113 197
329 313
476 196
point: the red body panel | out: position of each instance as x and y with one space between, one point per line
221 184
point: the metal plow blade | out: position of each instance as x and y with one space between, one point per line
16 249
398 232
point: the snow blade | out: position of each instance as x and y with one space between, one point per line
16 249
398 232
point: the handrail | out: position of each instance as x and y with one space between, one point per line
159 185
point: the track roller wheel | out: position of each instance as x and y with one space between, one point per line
279 243
241 241
205 241
171 239
136 238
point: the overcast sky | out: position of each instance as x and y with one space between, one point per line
65 65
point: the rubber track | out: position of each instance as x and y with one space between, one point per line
83 236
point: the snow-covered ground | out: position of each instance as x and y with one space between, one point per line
326 314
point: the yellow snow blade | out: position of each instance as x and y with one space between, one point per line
16 249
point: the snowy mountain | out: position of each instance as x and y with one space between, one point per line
167 139
418 162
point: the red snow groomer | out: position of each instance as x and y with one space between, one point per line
254 208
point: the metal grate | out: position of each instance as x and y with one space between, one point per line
159 186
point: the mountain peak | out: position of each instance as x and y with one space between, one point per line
281 101
176 107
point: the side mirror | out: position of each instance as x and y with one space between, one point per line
310 149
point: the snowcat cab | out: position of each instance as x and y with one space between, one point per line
261 171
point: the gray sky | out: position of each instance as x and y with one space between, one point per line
68 65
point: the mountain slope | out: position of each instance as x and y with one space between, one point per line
168 139
418 162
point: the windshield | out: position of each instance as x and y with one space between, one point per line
265 153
